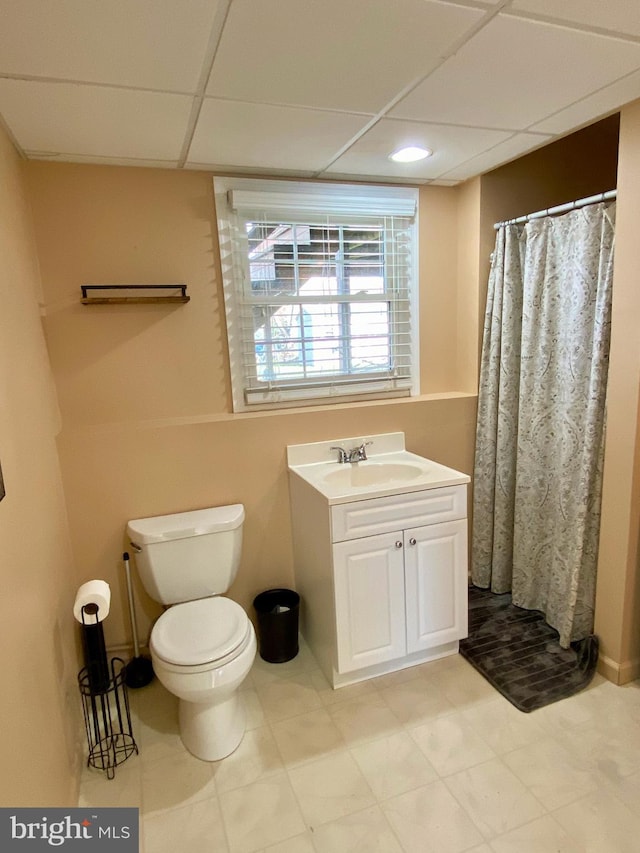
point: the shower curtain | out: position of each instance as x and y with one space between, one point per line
541 415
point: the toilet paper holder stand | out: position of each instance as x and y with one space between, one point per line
105 701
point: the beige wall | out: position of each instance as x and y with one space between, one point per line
144 389
618 590
578 166
40 705
471 274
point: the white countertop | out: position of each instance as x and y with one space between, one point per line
388 470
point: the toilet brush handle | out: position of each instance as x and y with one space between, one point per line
132 612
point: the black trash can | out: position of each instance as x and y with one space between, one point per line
277 612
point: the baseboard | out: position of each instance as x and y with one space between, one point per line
619 673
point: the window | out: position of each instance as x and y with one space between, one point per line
319 286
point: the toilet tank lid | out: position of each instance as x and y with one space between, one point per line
183 525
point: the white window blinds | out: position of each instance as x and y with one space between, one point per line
319 283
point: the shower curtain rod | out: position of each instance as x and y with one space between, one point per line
561 208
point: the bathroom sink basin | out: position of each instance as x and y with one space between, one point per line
372 473
390 469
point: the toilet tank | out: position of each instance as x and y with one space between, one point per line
188 555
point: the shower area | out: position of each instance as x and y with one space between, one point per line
540 432
539 451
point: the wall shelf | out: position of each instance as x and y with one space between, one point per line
129 294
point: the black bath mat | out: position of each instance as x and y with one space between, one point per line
520 655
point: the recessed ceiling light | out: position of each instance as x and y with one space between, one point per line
410 154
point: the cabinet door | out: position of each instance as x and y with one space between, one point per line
369 600
436 583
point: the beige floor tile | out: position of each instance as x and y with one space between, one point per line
626 789
307 737
631 698
391 679
330 696
263 672
555 775
288 697
367 831
256 758
330 788
346 749
392 765
433 667
261 814
616 703
461 684
451 744
298 844
429 820
544 835
365 718
416 701
158 736
611 745
494 798
601 823
503 726
152 701
593 706
125 789
252 708
176 781
197 828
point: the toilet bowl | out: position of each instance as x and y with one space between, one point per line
202 651
203 646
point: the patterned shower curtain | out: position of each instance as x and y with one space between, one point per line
541 416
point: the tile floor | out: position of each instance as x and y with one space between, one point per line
428 760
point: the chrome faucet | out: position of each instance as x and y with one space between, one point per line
343 456
356 454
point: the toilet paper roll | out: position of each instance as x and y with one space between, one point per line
92 592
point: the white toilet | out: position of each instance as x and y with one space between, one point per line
203 646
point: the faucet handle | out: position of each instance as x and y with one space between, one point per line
362 450
343 456
358 454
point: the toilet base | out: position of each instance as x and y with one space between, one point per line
211 732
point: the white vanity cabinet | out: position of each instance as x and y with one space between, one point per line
383 580
404 591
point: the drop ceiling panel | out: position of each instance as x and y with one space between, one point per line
352 55
93 120
156 44
295 83
230 133
518 145
594 106
545 68
622 16
451 147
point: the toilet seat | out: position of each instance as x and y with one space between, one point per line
200 633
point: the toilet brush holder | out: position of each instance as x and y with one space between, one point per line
139 670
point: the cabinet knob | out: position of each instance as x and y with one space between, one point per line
412 541
399 544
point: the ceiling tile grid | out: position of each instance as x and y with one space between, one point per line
325 88
352 55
